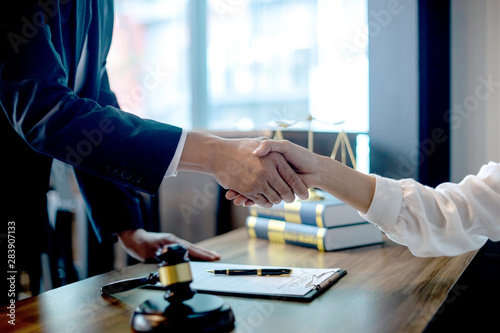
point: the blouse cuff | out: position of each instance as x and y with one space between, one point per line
386 204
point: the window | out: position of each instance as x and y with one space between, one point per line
258 59
243 64
266 60
148 62
276 60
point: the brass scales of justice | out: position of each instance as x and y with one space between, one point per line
342 143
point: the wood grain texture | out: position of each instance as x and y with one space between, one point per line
387 289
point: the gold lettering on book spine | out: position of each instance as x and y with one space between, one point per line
301 238
319 215
276 231
320 239
292 212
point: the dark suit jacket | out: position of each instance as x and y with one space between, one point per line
37 70
113 152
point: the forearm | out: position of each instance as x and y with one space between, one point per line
351 186
198 152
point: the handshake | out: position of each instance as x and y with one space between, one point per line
292 171
254 171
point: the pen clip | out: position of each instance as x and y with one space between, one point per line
316 277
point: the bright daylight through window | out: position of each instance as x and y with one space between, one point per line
243 64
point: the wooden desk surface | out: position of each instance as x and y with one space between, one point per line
386 289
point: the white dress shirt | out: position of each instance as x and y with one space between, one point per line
81 68
446 221
172 168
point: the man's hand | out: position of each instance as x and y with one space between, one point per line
263 180
142 245
305 163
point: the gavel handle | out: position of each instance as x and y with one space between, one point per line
128 284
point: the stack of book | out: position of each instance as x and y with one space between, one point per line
326 224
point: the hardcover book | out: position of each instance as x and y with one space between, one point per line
323 239
327 212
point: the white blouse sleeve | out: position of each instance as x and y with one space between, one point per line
446 221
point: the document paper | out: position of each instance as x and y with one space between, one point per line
299 283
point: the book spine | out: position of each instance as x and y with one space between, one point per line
279 231
295 212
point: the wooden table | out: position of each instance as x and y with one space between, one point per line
386 289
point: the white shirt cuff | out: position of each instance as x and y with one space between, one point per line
172 168
386 205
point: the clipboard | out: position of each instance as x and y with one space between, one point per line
315 281
309 297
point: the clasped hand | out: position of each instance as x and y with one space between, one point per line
296 165
263 180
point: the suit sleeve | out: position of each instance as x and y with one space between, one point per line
53 120
112 207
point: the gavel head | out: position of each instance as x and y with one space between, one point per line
175 272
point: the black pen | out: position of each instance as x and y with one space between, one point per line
258 271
